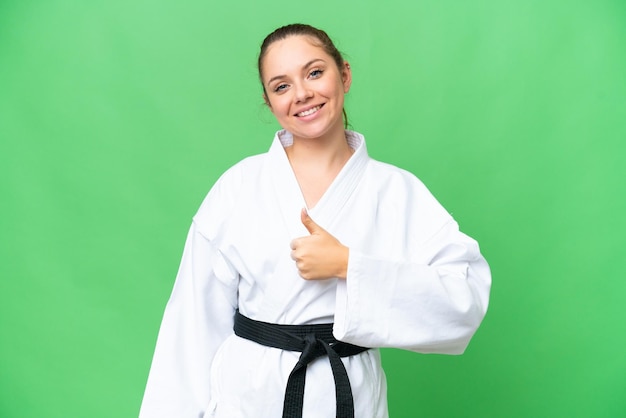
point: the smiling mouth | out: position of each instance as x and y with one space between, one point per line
309 111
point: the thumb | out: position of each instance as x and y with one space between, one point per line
308 223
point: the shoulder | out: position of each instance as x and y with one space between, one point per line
230 182
226 194
236 174
400 194
383 179
395 178
381 172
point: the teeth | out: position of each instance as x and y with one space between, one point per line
310 111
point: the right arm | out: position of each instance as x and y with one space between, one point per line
197 319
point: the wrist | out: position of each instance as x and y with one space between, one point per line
342 272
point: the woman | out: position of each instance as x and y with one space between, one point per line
311 232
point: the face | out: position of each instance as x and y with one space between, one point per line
304 89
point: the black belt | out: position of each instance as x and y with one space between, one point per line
313 341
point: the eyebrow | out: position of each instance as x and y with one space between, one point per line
308 64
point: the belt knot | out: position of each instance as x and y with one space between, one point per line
312 341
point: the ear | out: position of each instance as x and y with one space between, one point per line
266 100
346 76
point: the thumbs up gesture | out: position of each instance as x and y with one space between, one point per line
319 255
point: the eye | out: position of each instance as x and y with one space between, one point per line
280 87
316 73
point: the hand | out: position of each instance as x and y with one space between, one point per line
319 255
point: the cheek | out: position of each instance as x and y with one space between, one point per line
336 89
279 106
339 93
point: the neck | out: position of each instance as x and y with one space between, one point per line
316 162
328 151
323 154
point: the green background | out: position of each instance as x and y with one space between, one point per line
117 116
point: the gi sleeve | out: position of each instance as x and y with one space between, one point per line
197 319
416 282
199 313
432 307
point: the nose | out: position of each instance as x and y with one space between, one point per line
302 92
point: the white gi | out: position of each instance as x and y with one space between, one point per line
413 282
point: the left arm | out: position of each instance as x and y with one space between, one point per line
429 307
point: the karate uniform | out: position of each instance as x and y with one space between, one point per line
413 282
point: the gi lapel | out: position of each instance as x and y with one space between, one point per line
282 292
286 189
288 192
328 210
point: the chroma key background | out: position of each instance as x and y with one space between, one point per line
116 117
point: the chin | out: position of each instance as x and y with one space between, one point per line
309 134
319 132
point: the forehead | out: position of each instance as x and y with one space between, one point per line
292 53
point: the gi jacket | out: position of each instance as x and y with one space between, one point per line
414 282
